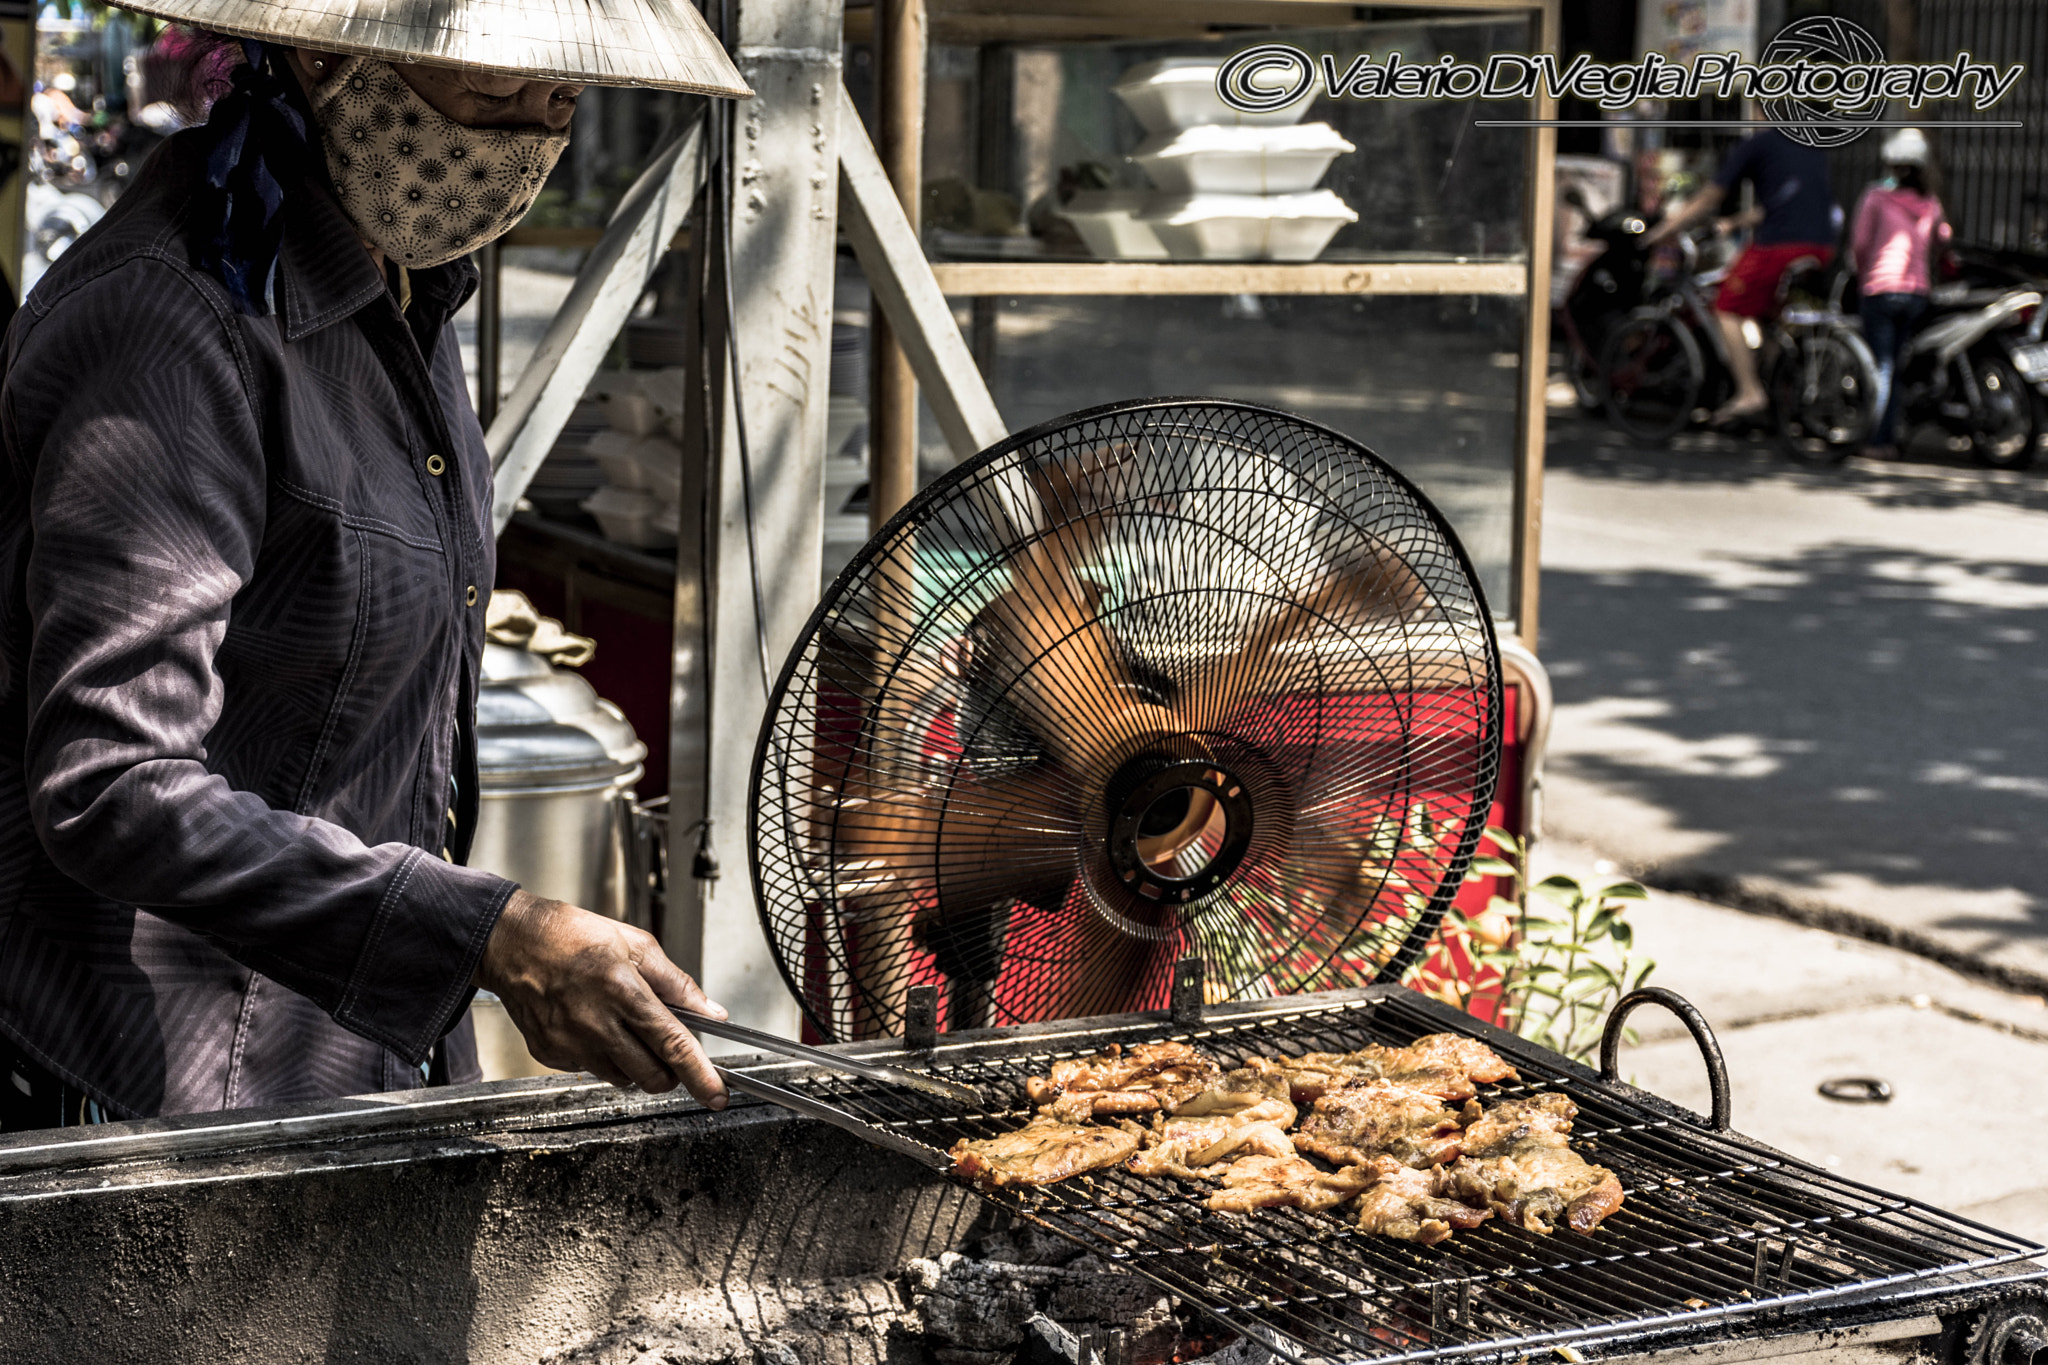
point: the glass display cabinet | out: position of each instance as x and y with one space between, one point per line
1378 265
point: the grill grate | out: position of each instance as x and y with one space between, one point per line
1715 1226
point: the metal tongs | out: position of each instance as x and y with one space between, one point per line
818 1109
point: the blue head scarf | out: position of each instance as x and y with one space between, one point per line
255 135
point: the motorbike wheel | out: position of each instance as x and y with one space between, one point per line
1586 387
1651 374
2002 423
1823 394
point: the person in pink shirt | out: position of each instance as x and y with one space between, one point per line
1897 231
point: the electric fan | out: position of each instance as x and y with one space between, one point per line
1166 677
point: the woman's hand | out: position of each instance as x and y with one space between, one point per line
587 993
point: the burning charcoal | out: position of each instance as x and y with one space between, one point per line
978 1305
968 1306
1091 1292
1048 1343
1243 1351
1026 1244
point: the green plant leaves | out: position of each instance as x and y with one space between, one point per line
1565 968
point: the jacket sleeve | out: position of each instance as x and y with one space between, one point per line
146 481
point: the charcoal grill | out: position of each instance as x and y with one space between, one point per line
492 1223
1721 1235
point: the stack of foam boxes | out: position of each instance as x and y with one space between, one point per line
641 454
1229 185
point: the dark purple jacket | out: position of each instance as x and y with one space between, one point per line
243 568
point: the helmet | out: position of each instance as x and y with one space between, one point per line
1907 147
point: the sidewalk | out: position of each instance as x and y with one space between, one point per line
1815 687
1794 1007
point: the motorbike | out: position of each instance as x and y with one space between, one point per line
1977 368
1666 362
1611 286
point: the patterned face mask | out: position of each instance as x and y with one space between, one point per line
420 187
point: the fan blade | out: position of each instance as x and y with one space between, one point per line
1356 899
974 842
1376 588
1107 970
938 868
1044 633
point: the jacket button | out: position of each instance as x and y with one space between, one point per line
436 466
469 597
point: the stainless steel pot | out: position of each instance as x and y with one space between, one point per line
557 764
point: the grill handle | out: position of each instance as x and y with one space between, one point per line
1695 1024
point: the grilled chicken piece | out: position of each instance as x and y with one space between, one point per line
1248 1111
1488 1131
1448 1050
1311 1076
1041 1152
1442 1064
1148 1078
1203 1149
1518 1163
1265 1182
1243 1091
1359 1120
1409 1204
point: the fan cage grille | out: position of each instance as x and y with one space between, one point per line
1168 582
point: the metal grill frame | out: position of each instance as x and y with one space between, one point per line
1815 1244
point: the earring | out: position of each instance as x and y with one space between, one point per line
319 63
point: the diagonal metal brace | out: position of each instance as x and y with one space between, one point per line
908 294
612 279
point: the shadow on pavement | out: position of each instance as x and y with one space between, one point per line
1928 477
1856 710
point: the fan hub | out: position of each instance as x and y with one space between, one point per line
1178 827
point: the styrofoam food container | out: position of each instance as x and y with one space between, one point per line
617 394
664 389
1180 92
1248 227
629 516
613 451
1220 160
651 463
1108 223
631 413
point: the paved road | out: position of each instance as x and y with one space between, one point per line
1830 687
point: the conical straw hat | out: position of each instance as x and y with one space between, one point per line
660 43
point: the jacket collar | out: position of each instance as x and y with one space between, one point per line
325 275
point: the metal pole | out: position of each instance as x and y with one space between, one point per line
780 186
900 37
490 314
1528 540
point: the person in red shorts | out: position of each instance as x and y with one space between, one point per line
1795 216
